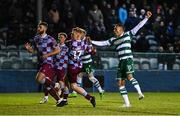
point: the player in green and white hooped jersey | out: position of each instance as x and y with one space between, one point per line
88 69
122 42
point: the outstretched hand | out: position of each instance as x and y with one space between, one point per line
148 14
27 46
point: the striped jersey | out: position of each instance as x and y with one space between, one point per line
86 57
122 45
45 45
61 59
76 49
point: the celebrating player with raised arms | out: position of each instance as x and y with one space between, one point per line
122 42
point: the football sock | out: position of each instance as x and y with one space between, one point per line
96 83
45 91
88 97
123 92
136 85
53 93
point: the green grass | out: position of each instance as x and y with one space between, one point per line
153 104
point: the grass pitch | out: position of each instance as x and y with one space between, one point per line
153 104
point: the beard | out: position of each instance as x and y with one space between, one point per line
40 31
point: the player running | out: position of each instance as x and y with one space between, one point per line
60 67
77 47
87 69
122 42
46 48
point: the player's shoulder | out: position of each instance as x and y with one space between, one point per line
50 37
128 33
111 38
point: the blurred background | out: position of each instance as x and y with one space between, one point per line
156 47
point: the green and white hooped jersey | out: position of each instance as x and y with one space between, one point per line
122 45
86 58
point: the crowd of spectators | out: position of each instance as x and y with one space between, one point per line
18 20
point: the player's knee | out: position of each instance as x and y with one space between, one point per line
40 77
121 83
73 86
129 76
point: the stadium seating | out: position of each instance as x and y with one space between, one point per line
17 64
6 64
11 47
145 64
153 63
29 64
136 63
13 54
152 42
176 66
3 47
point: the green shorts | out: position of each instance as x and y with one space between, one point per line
125 67
87 68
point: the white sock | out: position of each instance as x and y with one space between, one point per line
126 100
136 85
46 97
96 83
138 89
124 95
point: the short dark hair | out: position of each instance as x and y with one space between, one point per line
120 25
62 33
44 24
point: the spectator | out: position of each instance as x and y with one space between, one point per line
122 14
170 58
161 34
142 44
170 32
161 59
96 15
54 15
142 15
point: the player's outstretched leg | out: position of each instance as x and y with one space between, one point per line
96 84
81 91
137 87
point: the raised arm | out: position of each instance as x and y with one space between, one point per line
142 23
101 43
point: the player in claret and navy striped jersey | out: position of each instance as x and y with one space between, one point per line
122 42
77 47
61 63
60 67
87 69
47 48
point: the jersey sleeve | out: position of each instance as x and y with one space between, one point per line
52 42
102 43
139 26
